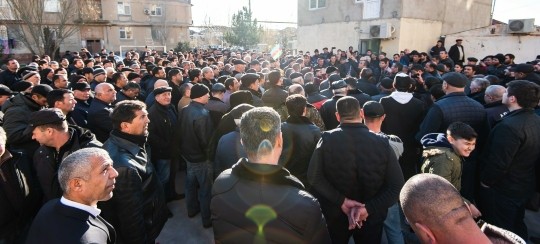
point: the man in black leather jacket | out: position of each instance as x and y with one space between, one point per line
350 166
138 209
195 129
258 187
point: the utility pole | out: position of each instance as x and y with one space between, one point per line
249 4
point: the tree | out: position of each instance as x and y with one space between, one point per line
182 47
244 31
43 25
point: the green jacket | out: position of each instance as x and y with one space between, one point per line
444 162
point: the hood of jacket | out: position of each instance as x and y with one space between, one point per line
435 140
20 100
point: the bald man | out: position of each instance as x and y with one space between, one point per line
437 214
151 98
495 110
99 121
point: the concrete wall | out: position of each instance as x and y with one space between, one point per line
481 42
339 35
335 11
417 34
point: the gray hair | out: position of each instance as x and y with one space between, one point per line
79 165
259 128
495 91
481 82
206 70
296 89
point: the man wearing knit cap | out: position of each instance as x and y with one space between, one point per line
99 77
456 106
195 129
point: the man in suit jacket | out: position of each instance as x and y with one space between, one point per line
86 177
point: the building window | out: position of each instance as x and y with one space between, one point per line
372 8
52 6
316 4
156 10
126 33
124 8
3 3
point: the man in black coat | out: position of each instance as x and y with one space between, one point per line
99 120
81 92
138 209
508 165
328 109
457 53
10 76
258 194
300 136
86 177
58 140
356 175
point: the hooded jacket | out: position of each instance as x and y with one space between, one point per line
439 158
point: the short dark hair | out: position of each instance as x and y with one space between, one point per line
348 108
56 95
473 67
436 91
511 56
194 73
131 86
460 130
116 76
174 72
274 76
399 66
125 111
526 93
156 69
229 82
296 104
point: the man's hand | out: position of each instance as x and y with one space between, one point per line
348 204
356 217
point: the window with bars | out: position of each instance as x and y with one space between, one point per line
316 4
126 33
124 8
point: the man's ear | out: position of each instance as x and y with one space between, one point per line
362 113
424 233
338 117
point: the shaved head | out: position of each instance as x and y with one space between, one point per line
433 201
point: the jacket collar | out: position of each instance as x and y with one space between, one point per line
519 111
298 120
265 173
129 146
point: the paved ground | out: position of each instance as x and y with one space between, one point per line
181 229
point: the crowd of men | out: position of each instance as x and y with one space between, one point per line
297 148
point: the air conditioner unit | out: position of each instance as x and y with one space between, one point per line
521 26
380 31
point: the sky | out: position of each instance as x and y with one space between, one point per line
219 12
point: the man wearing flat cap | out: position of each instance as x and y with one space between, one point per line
161 131
457 53
58 140
328 109
195 129
453 107
17 111
81 92
239 67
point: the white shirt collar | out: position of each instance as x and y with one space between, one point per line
92 210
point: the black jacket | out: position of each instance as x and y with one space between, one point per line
274 97
512 153
453 53
300 137
59 223
20 196
99 119
138 208
47 160
161 130
80 113
352 162
328 113
17 111
495 112
359 95
195 131
451 108
9 78
238 191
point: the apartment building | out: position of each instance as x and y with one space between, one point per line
386 25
